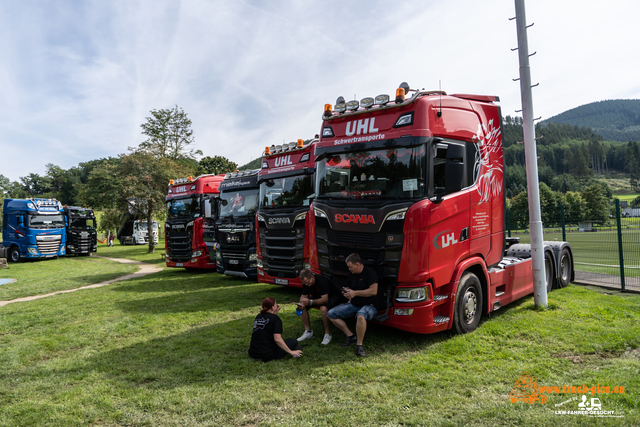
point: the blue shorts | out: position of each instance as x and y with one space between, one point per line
344 311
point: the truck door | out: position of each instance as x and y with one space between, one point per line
449 228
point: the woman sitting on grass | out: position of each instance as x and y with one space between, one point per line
266 339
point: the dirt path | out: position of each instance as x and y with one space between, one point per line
144 269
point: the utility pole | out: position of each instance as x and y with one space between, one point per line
531 156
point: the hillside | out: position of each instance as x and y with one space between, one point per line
614 120
253 164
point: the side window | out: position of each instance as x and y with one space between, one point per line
439 162
473 163
448 165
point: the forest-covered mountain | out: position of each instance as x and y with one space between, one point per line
614 120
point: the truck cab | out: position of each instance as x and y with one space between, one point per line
33 228
192 209
82 238
287 181
134 231
415 186
236 247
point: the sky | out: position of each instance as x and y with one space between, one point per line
78 78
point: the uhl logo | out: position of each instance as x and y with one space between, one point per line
284 160
360 127
447 239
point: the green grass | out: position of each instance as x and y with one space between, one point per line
170 349
51 275
134 252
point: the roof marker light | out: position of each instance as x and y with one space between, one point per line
367 102
300 143
170 182
399 95
327 110
353 105
382 99
266 151
292 145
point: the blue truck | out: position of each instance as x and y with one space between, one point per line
33 228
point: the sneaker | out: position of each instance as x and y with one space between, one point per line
306 336
327 339
360 351
349 341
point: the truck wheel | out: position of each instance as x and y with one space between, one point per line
550 272
468 308
14 254
566 269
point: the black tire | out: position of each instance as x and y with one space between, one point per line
468 308
550 271
566 269
14 254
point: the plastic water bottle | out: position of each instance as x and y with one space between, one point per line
299 310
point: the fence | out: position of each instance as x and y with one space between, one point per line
606 253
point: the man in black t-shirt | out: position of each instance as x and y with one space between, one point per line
362 294
317 291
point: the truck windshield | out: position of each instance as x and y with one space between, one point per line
43 222
188 207
142 225
286 192
238 203
397 173
83 223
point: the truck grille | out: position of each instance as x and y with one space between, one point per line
282 250
48 244
375 249
81 241
179 244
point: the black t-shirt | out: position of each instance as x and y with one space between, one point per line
263 346
359 282
322 286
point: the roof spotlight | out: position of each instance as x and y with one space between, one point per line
367 102
341 106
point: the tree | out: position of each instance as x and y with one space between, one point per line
635 203
216 165
169 135
145 179
597 202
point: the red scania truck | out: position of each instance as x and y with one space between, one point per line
415 186
192 208
286 189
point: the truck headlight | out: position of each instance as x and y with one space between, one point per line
403 311
412 294
196 254
253 257
218 257
33 251
259 263
306 266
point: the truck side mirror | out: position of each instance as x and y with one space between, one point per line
454 169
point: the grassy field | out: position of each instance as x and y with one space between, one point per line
598 252
170 349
